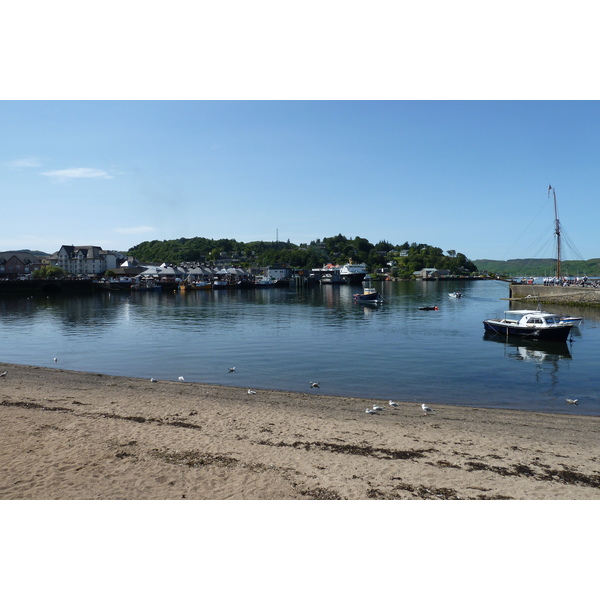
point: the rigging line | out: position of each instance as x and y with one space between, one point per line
571 245
528 227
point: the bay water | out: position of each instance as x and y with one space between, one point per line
285 338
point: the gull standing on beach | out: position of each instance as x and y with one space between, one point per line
251 392
426 409
152 380
375 407
3 374
181 379
370 411
394 404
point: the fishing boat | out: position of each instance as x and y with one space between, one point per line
369 295
530 324
195 285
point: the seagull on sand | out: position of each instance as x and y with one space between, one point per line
375 407
181 379
232 369
152 380
3 374
426 409
314 384
251 392
394 404
572 401
370 411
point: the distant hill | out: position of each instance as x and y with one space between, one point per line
520 267
36 252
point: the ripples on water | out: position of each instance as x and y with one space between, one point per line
284 338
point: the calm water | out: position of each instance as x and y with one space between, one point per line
285 338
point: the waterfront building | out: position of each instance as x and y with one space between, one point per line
90 261
18 264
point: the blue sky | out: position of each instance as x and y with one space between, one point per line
471 176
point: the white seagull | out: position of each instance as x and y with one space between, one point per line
231 369
3 374
426 409
375 407
152 380
572 401
395 404
314 384
181 379
56 359
370 411
251 392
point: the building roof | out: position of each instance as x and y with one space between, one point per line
24 257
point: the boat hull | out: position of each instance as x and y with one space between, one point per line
558 333
368 299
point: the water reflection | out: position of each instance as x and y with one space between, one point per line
544 356
531 350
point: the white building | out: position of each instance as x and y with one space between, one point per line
84 260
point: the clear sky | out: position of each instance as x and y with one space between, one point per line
471 176
253 121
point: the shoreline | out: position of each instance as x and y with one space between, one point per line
77 435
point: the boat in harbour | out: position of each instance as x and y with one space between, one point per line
189 285
264 281
530 324
455 295
557 289
353 273
146 285
369 295
428 307
574 320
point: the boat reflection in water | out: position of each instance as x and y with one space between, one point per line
531 350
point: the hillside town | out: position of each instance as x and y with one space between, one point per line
112 268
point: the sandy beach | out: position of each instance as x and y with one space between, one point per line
70 435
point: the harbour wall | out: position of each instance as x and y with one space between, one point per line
46 286
573 296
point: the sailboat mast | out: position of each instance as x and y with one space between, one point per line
556 231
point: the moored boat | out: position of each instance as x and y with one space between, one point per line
568 319
265 281
370 295
455 295
195 285
428 307
532 324
353 273
146 285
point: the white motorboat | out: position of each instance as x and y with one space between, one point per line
532 324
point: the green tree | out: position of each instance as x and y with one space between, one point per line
49 272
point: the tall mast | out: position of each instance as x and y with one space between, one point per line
556 231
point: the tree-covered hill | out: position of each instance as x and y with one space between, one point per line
405 258
540 267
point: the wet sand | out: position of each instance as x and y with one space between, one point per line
71 435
